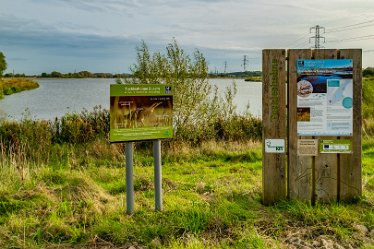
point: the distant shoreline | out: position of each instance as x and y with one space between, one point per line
10 86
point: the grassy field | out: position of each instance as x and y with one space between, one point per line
62 185
212 199
13 85
254 79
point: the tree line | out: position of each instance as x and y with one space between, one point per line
367 72
56 74
81 74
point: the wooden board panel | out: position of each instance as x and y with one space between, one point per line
299 167
326 165
350 178
274 123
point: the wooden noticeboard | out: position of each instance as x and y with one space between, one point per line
324 177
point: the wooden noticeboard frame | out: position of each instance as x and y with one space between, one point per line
321 178
274 116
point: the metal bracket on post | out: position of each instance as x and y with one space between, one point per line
129 178
157 174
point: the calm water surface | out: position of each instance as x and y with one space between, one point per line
56 97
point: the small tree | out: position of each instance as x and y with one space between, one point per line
197 105
56 74
3 64
368 72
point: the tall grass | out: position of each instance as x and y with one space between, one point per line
368 106
212 199
62 186
13 85
87 133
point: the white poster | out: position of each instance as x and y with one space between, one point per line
324 97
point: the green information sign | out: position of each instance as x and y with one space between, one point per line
335 146
140 112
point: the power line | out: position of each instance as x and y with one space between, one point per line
359 38
352 25
302 44
317 34
297 41
352 28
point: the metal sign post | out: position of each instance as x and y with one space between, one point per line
129 178
157 174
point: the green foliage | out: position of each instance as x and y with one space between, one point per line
39 140
238 128
81 128
81 74
368 72
196 104
239 75
368 106
3 64
56 74
15 85
29 139
212 199
367 98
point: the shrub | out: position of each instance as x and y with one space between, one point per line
196 103
32 138
81 128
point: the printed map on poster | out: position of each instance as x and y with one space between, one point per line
324 97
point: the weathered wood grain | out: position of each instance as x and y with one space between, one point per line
321 178
299 167
326 165
274 123
350 177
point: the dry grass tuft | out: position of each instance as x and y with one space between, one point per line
82 188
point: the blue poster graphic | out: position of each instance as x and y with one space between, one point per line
324 97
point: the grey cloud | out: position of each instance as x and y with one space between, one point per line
116 6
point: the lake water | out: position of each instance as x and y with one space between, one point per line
56 97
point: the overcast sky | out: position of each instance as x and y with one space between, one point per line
101 35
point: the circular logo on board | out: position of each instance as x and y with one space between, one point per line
348 102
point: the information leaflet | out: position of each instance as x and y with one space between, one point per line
324 97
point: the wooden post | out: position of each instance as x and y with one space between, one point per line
326 165
300 168
350 164
274 123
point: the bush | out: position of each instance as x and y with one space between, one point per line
88 132
32 138
81 128
196 104
367 98
239 128
368 72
